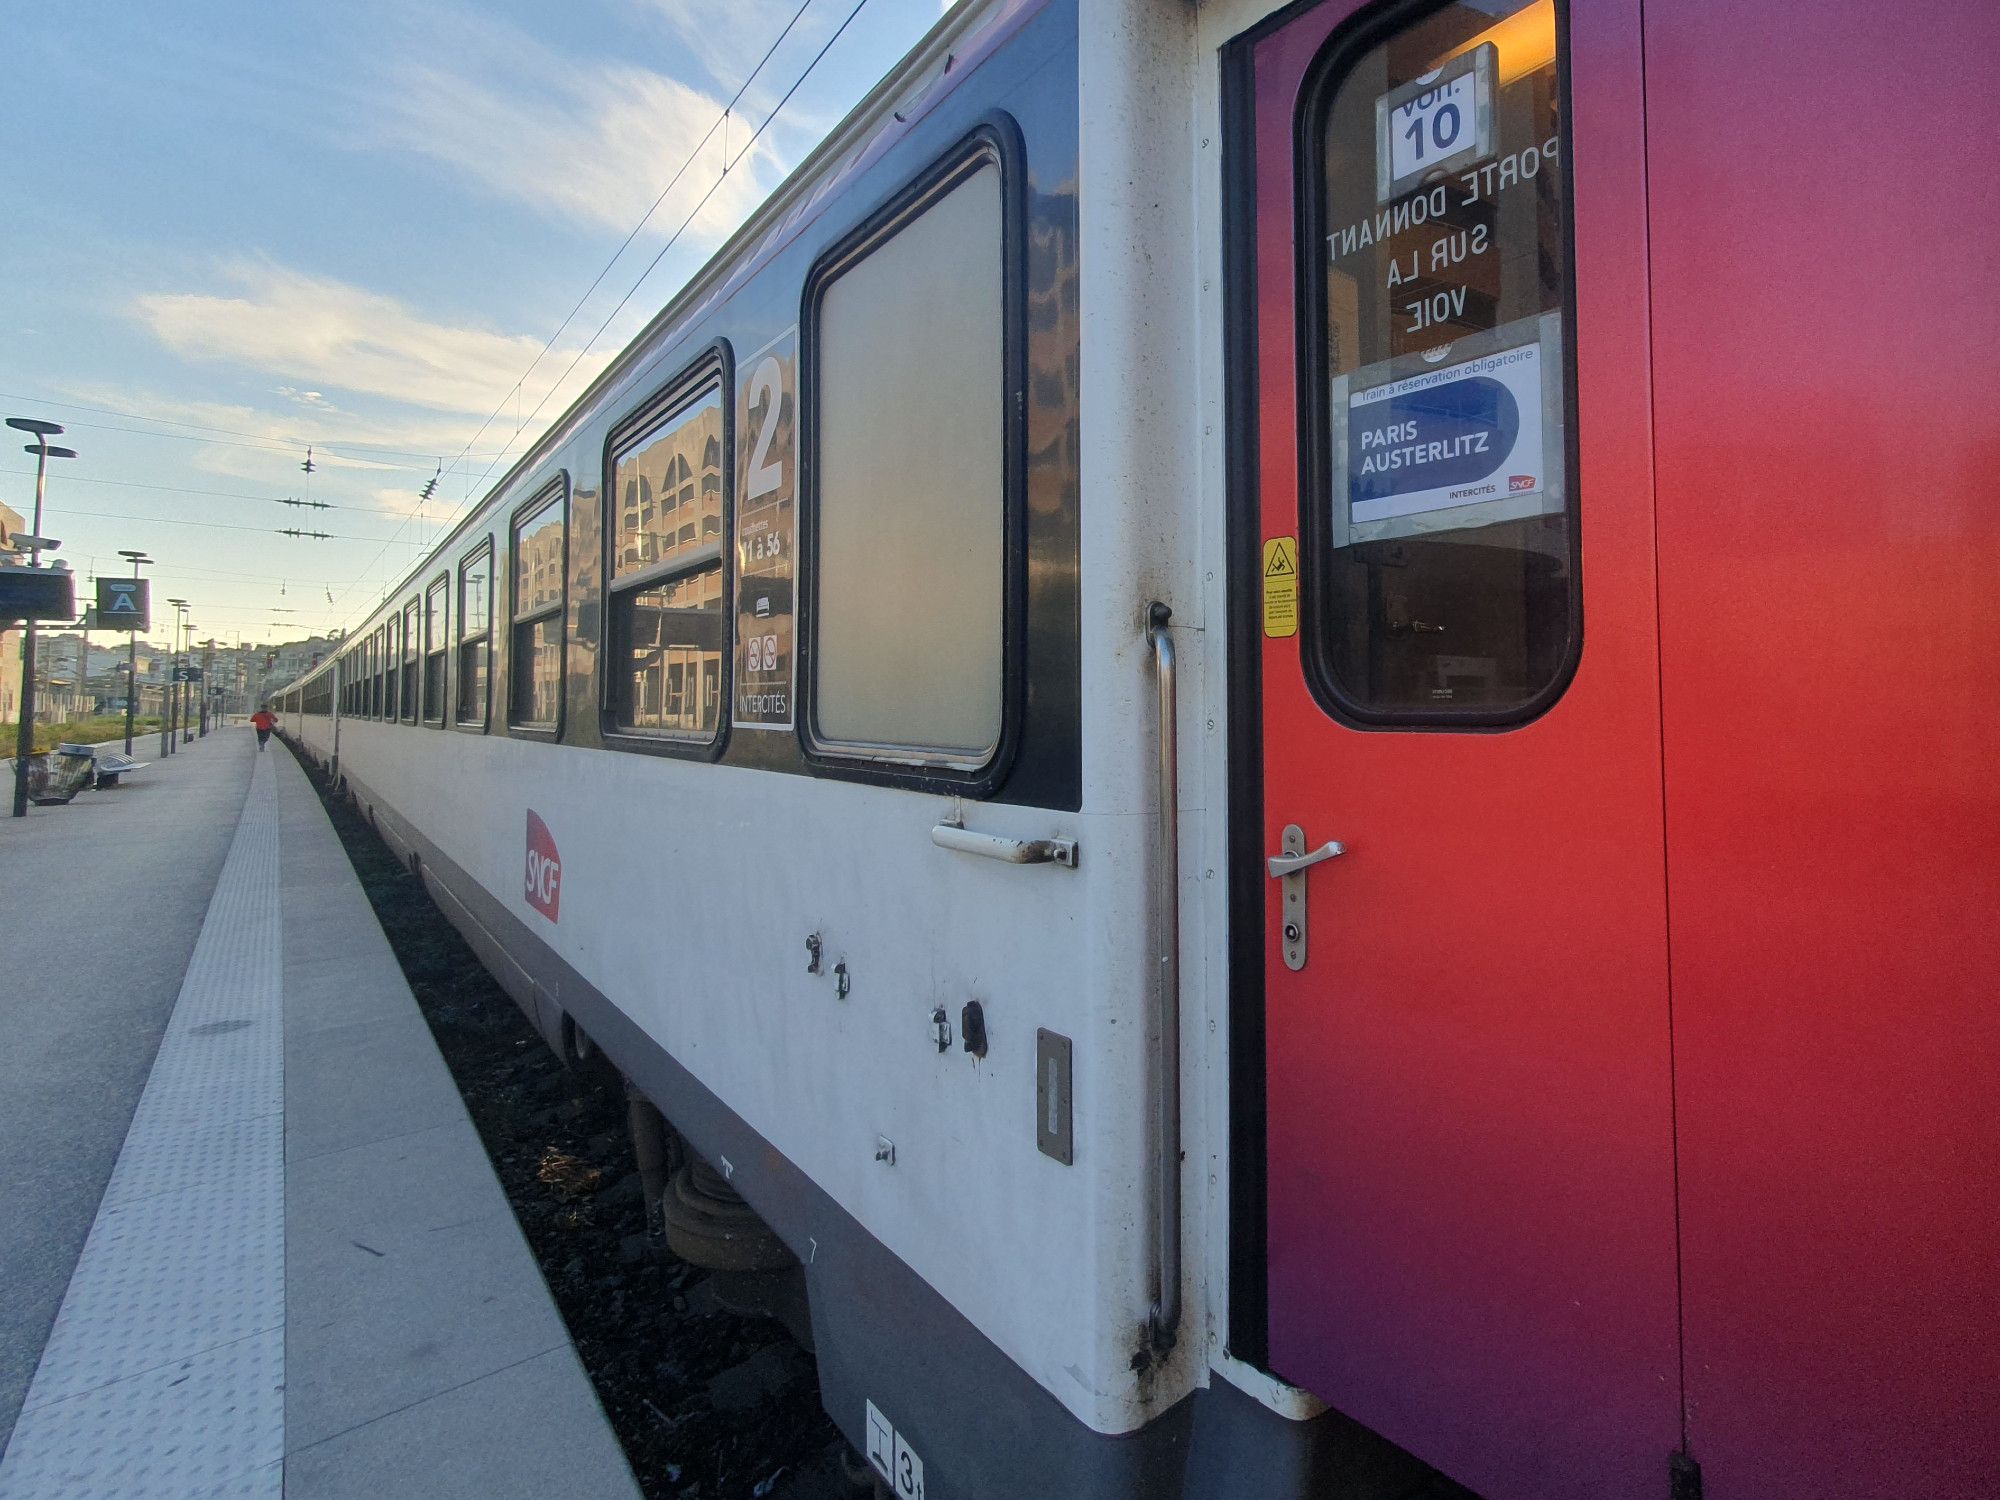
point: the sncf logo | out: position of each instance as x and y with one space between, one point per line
544 890
1520 481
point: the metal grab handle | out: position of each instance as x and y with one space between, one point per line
953 834
1165 1317
1290 864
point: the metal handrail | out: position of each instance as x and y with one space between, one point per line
1165 1317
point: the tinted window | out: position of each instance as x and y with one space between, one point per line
911 509
1445 558
475 619
666 623
535 660
435 601
413 631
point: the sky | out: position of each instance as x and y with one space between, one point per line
236 230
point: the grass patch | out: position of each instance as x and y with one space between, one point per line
78 732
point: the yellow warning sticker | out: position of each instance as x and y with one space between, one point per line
1281 586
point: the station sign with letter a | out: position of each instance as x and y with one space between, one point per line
124 604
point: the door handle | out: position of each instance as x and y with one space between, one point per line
1290 864
1288 868
953 834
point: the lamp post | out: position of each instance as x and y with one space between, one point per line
137 560
187 692
170 694
24 739
207 685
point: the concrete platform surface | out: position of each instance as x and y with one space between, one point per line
100 902
303 1278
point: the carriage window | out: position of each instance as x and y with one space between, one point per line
1445 559
534 662
666 621
475 637
413 631
910 499
435 600
391 649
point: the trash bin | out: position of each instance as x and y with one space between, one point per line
55 779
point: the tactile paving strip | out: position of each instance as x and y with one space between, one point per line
164 1373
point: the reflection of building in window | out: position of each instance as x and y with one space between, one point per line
1054 349
670 491
539 560
435 599
413 630
475 602
673 654
666 626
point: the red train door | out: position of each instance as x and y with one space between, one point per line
1470 1147
1827 365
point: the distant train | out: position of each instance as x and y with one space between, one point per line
1277 724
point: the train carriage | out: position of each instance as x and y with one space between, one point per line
1268 721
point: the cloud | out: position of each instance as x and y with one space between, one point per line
319 334
727 38
574 140
260 450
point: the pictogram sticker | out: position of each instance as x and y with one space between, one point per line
1281 586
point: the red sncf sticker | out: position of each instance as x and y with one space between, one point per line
544 890
1520 482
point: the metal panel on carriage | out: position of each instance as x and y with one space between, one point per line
1469 1139
1826 357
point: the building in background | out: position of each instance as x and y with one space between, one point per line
10 639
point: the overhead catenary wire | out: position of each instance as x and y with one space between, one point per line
720 122
252 440
105 515
672 240
645 219
176 489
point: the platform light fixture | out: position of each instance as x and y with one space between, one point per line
170 690
24 739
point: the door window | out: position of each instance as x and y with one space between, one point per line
911 490
1440 525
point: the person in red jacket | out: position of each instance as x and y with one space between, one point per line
265 721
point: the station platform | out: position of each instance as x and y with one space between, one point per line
254 1246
